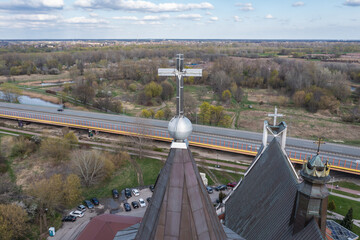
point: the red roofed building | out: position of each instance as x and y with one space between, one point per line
106 226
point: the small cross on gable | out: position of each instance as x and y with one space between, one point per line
275 115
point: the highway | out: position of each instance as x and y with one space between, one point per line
342 157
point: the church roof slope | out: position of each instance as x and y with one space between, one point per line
180 207
263 205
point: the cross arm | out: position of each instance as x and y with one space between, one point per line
168 72
192 72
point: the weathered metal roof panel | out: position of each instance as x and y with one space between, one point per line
262 206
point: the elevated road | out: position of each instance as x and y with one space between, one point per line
341 157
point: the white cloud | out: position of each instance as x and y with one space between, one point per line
30 17
93 14
237 19
208 13
141 5
352 3
214 19
126 18
39 5
146 22
269 16
298 4
195 17
84 20
154 18
245 6
36 17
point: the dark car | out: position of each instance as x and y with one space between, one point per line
127 207
127 193
152 188
115 193
231 184
135 204
88 204
60 109
95 201
69 219
221 188
148 199
209 189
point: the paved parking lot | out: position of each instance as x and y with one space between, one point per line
70 230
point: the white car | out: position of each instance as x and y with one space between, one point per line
77 213
142 202
135 192
81 208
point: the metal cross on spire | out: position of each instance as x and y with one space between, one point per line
180 73
319 142
275 115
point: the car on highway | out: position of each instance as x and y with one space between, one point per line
68 218
88 204
135 204
115 193
148 199
60 109
127 207
142 202
221 188
127 193
76 213
209 189
231 184
135 192
81 208
95 201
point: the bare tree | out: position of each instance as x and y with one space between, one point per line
89 166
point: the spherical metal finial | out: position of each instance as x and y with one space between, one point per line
180 128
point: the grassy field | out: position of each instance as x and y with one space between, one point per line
349 185
343 205
150 169
126 177
346 194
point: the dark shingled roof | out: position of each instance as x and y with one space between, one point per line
263 205
180 207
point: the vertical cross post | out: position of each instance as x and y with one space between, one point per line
179 72
319 142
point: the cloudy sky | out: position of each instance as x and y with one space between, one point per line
196 19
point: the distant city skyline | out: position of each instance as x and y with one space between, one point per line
188 19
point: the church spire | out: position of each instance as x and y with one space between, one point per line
180 207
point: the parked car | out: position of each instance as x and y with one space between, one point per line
231 184
127 193
142 202
95 201
127 207
81 208
152 188
77 213
69 219
115 193
135 192
135 204
88 204
148 199
221 188
209 189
